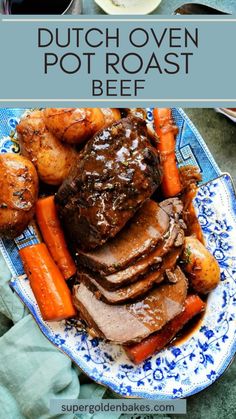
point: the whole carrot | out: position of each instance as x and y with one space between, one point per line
50 227
166 130
138 352
48 285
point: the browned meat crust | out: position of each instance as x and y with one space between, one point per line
118 170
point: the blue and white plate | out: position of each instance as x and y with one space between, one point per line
202 357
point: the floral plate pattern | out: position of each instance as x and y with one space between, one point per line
194 363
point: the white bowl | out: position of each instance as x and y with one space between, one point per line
128 7
228 113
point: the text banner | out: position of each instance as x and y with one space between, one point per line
121 406
121 61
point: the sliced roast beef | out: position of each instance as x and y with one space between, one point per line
153 260
140 236
173 207
117 171
137 289
132 322
130 292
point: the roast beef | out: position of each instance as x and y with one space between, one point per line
140 236
152 261
117 171
173 207
136 289
127 323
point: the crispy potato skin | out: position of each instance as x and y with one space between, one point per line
76 125
19 193
200 265
52 159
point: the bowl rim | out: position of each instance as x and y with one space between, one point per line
110 8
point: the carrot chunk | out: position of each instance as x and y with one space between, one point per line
48 285
50 227
166 130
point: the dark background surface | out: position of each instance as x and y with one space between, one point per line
219 134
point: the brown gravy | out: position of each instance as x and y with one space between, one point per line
188 330
191 327
190 176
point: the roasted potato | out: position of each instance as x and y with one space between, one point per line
76 125
200 266
52 159
19 192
